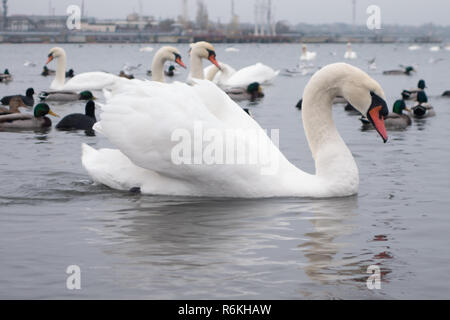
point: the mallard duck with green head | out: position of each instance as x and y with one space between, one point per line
36 120
66 96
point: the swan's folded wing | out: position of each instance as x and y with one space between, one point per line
91 81
160 126
254 73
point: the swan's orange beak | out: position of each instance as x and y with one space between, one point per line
50 58
376 114
212 58
180 62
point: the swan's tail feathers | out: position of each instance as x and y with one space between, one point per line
110 168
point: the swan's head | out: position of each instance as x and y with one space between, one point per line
304 49
171 54
204 50
366 95
54 53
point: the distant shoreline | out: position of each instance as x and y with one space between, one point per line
139 38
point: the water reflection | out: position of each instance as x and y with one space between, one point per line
177 241
331 219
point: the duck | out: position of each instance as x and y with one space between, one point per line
412 94
170 72
47 72
307 55
446 93
423 109
70 73
14 104
5 76
79 121
396 120
122 74
406 71
393 121
252 93
28 98
350 54
37 120
158 161
337 100
84 81
65 96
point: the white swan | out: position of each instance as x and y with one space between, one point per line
350 54
146 49
199 51
80 82
435 49
163 55
134 122
232 49
307 55
414 47
242 78
219 77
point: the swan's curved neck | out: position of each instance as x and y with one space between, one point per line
158 67
333 159
196 67
60 74
212 72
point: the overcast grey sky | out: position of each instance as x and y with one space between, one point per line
411 12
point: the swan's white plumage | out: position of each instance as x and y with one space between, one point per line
254 73
219 77
87 81
140 122
80 82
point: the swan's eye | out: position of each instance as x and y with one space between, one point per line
50 55
211 53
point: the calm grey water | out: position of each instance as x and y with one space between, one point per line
130 246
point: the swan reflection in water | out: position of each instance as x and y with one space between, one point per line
331 219
185 247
